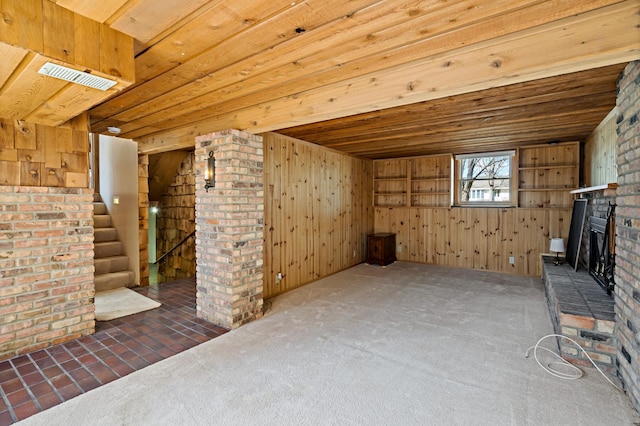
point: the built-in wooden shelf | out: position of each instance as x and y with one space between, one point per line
430 193
611 185
426 182
548 167
547 174
546 189
547 177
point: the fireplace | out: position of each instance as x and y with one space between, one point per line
602 249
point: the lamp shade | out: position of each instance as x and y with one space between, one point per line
557 245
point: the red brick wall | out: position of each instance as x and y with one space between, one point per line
627 294
46 267
229 229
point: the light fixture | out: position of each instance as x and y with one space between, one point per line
114 130
557 246
210 172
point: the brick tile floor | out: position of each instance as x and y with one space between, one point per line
39 380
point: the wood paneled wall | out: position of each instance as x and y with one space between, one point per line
37 155
478 238
143 217
175 221
318 211
600 153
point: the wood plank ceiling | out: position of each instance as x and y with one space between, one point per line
371 77
563 108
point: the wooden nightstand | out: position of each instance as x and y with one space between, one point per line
381 248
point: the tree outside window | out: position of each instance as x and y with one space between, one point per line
485 178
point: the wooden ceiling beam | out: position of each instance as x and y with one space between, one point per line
463 136
221 20
202 69
478 145
594 39
12 57
332 44
467 133
452 119
26 94
361 44
600 81
98 11
147 18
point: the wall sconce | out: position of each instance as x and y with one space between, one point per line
557 246
210 172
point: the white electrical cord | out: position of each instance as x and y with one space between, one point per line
576 372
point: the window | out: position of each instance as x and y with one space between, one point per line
484 179
477 194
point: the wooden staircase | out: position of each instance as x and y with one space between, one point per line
111 264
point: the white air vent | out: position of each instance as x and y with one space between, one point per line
75 76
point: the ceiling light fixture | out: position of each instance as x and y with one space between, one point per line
74 76
114 130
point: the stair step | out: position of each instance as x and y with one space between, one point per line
105 234
114 280
101 221
99 208
107 249
110 264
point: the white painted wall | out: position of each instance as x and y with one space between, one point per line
119 178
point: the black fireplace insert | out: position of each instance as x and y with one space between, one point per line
602 249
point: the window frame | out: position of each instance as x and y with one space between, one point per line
458 181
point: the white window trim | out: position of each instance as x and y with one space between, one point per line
457 176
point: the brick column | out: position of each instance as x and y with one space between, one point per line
229 229
627 272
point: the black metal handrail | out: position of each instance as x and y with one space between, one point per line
175 247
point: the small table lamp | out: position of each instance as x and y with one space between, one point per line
557 246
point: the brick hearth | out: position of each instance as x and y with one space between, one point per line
583 311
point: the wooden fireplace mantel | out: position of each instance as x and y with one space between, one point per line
612 185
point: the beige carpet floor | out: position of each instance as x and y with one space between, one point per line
120 302
408 344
